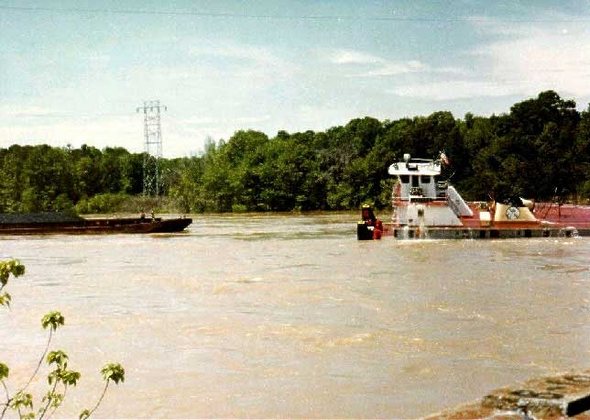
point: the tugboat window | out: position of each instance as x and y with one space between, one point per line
425 179
405 179
415 181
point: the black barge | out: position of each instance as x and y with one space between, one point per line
61 223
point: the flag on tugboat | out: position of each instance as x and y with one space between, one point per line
444 159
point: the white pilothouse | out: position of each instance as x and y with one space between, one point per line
421 198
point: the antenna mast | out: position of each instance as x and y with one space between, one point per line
152 130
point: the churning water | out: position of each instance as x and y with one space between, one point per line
291 316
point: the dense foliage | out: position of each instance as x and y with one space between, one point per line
540 149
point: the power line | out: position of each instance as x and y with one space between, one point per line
198 14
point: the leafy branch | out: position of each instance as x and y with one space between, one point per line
52 320
112 372
7 268
59 379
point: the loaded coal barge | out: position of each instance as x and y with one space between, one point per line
62 223
426 207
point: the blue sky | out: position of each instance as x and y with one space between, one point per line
73 72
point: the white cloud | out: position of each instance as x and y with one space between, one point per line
98 58
76 130
199 121
253 119
213 92
393 69
521 60
110 131
28 112
462 89
543 58
231 121
353 57
248 53
375 66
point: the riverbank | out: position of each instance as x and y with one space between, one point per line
556 396
104 204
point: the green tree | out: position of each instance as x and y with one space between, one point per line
538 149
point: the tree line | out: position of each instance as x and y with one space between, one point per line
540 149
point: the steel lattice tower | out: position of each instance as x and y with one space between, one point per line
152 130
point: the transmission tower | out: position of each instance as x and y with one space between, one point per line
152 130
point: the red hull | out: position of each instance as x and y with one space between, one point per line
552 221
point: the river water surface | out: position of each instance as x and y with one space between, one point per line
291 316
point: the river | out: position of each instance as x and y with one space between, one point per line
291 316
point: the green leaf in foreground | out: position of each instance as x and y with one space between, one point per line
113 372
53 320
4 370
57 357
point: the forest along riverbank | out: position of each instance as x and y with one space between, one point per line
343 167
291 316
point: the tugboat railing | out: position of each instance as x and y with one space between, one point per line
454 206
419 198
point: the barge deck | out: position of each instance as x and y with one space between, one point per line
60 223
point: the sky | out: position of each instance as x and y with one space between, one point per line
75 72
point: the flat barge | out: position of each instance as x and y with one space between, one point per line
60 223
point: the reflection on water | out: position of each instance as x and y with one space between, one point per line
290 316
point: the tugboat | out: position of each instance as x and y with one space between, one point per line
424 206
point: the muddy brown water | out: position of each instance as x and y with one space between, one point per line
291 316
